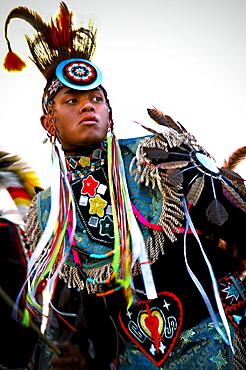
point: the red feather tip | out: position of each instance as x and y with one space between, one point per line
13 63
60 31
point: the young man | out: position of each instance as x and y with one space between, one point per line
127 239
81 118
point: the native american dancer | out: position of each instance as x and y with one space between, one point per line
139 244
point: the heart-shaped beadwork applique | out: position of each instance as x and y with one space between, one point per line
154 325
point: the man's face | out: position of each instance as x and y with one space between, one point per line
81 117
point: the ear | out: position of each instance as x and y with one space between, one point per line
45 122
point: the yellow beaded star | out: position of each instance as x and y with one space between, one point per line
84 161
97 205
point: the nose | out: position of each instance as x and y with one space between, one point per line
87 106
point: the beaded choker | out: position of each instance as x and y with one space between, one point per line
80 166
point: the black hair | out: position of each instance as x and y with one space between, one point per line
111 122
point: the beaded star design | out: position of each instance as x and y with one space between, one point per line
89 186
97 205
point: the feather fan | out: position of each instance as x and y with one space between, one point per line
155 153
165 120
229 166
195 191
172 165
233 197
231 175
235 158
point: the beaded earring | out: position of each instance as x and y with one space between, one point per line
51 123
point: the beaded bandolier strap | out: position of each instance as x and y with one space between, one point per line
89 183
91 195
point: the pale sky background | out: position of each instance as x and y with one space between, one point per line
185 57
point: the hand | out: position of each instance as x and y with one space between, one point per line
73 358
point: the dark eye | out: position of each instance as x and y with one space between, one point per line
72 100
97 98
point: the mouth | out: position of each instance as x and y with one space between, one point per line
88 119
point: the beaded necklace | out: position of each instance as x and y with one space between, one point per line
80 166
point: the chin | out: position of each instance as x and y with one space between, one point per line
93 140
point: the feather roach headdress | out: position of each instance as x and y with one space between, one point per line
53 43
61 52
